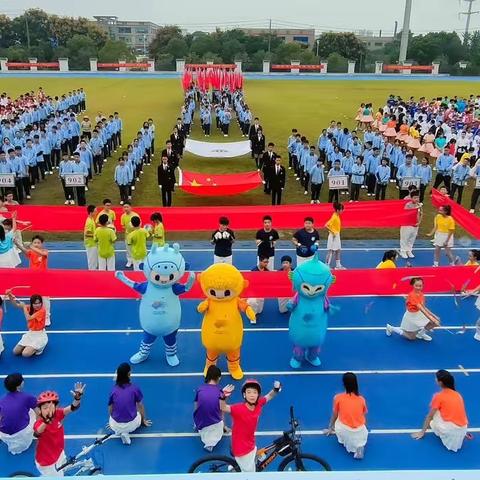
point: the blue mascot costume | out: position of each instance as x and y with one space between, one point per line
309 309
160 311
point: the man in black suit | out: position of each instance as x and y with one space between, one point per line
166 181
266 165
253 132
170 153
277 181
178 140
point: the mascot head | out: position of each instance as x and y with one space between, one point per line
312 279
164 266
222 282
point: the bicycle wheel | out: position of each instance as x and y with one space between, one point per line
310 463
214 464
21 475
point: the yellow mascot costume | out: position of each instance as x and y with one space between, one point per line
222 327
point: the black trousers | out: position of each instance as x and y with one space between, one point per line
456 189
47 159
26 185
41 169
306 180
355 191
371 181
316 188
475 196
74 142
33 174
80 191
166 197
18 193
445 179
380 191
97 163
332 196
422 192
246 128
124 191
67 191
56 156
276 196
402 194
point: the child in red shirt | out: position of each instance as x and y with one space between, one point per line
50 454
245 418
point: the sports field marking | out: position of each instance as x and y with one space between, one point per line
198 330
268 433
253 374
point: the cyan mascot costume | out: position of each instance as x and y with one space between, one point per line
309 309
160 310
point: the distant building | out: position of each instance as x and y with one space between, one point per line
374 42
137 35
290 35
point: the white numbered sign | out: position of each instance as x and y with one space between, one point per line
7 179
74 180
477 182
337 182
407 181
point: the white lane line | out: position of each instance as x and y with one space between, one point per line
198 330
346 249
267 433
259 374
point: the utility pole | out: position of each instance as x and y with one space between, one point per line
405 32
27 30
395 30
469 15
269 35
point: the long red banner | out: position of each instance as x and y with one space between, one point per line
469 221
91 284
369 214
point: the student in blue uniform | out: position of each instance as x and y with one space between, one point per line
357 180
123 178
317 177
334 172
382 176
424 172
461 173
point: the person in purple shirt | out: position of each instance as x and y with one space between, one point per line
17 415
207 416
125 406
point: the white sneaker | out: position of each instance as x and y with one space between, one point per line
421 335
472 210
359 453
28 197
67 202
125 438
403 254
410 255
312 202
305 192
128 265
121 202
388 330
133 187
72 202
340 267
86 189
33 187
477 337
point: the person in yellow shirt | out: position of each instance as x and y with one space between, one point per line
88 238
107 210
334 243
473 258
443 231
137 240
158 233
388 260
125 220
105 239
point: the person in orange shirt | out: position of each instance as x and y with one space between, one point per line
35 340
348 419
418 319
37 256
447 417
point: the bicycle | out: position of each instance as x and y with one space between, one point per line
287 446
82 466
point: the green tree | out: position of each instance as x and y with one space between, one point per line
115 50
8 36
177 48
287 52
424 49
80 49
345 44
230 49
203 43
32 27
64 28
337 63
162 37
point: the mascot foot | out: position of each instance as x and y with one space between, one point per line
139 357
294 363
237 373
315 361
172 360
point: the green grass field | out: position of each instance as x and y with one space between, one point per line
281 105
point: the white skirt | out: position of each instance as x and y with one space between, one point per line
9 259
20 441
247 462
334 242
2 348
212 434
413 321
440 238
256 304
450 434
128 427
35 340
351 438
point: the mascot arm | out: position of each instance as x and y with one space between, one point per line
190 281
203 306
245 307
179 289
138 287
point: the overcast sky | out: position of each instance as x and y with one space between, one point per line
322 14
